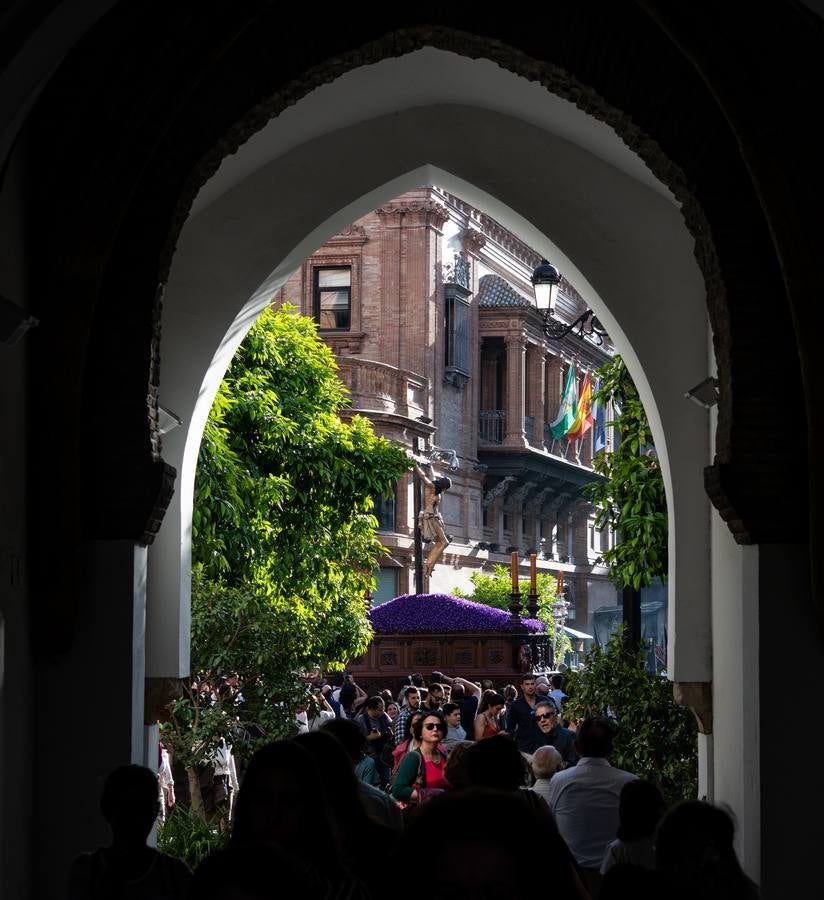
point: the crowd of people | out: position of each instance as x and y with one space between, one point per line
442 789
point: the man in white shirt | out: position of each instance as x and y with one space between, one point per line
584 799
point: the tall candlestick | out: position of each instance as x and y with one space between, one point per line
514 568
533 573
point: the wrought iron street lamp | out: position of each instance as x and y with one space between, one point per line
545 281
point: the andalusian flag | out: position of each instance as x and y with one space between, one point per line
583 414
566 411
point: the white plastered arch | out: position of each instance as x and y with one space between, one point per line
565 183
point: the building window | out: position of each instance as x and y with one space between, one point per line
386 586
333 297
456 334
384 512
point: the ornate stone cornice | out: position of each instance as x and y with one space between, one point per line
416 212
499 490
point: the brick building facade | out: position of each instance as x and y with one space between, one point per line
427 305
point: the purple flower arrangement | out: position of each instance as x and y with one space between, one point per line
428 613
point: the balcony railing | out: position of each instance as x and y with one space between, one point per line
383 388
492 426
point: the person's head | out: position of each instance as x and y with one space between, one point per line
386 696
557 681
430 728
546 715
442 483
392 711
546 761
374 707
337 778
411 722
542 688
129 802
640 807
528 685
417 679
435 696
412 696
458 693
455 770
347 695
452 714
491 703
496 762
349 733
487 684
594 737
694 848
510 693
281 798
486 860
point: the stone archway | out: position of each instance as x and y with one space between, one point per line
603 214
106 222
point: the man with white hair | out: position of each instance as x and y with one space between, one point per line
553 733
546 761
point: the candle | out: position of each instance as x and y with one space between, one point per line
533 573
514 567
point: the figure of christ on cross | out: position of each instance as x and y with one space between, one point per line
430 520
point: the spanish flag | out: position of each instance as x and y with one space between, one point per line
583 412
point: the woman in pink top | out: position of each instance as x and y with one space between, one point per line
421 772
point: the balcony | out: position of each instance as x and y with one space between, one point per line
491 426
379 387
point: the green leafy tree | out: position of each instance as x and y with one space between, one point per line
631 499
235 631
655 738
495 589
285 487
283 538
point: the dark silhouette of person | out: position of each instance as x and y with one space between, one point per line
495 763
282 802
640 808
353 829
377 802
499 848
130 804
255 872
695 856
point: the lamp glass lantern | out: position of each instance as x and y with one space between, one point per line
545 281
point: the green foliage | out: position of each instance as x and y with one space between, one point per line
235 629
495 589
186 836
284 491
283 539
631 500
656 739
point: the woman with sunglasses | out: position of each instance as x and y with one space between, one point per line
421 772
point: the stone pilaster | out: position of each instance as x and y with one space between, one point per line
515 390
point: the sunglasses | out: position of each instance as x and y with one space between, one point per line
545 715
433 726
